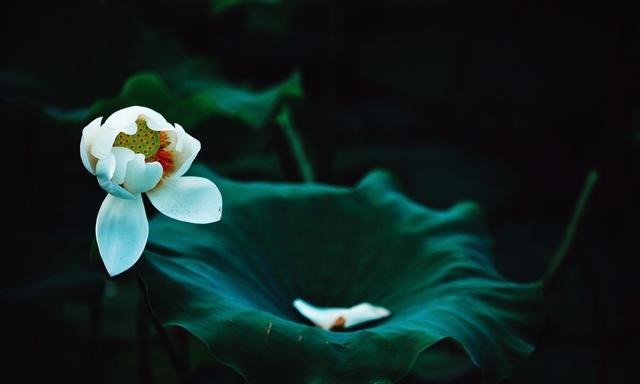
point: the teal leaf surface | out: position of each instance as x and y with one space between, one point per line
232 284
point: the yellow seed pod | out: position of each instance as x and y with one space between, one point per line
145 141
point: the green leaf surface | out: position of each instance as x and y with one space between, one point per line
232 283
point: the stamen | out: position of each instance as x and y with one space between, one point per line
163 155
165 158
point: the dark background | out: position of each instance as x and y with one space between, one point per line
509 103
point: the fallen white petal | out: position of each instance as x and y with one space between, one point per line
188 198
121 232
333 318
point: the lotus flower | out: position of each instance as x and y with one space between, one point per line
137 151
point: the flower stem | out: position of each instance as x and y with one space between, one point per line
599 322
175 361
295 145
561 258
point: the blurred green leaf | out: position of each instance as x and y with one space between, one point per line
232 283
219 6
436 173
194 99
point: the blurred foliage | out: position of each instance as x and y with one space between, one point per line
504 103
193 100
223 5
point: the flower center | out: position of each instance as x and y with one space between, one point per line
152 144
145 141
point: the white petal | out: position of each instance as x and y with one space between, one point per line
324 318
179 140
122 156
106 167
336 318
88 134
121 232
141 176
365 312
103 141
127 117
105 170
157 123
189 198
185 151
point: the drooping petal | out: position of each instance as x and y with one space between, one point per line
127 117
88 134
339 318
115 190
106 167
122 156
121 232
141 176
105 171
188 198
185 151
